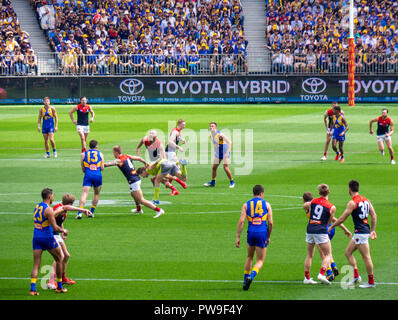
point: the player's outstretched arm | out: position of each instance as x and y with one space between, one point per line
371 125
347 212
135 158
112 163
72 208
241 223
49 213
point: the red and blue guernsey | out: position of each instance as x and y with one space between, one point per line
127 168
82 114
60 218
257 216
383 125
360 214
43 237
319 216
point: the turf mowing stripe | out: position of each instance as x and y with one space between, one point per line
194 280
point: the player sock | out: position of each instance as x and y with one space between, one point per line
182 183
157 209
356 274
213 181
307 275
156 195
33 284
323 270
48 153
138 207
254 273
183 170
63 276
333 264
324 154
329 272
173 188
92 209
246 275
59 283
54 150
371 279
80 207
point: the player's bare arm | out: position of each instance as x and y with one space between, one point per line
347 212
39 121
270 222
67 207
371 125
307 206
139 146
102 161
49 214
391 129
112 163
241 223
82 162
172 143
373 220
325 119
71 114
135 158
343 227
346 127
92 114
56 120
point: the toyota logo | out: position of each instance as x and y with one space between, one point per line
314 85
131 86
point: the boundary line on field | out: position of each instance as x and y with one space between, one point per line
191 280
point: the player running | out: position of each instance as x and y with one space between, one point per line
321 212
163 170
222 152
92 164
174 140
359 208
43 239
384 124
328 120
340 127
153 145
82 123
258 212
60 211
332 271
49 116
126 166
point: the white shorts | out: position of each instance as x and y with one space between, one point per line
58 238
383 138
135 186
360 238
317 238
84 129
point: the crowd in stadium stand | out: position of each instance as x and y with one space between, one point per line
312 35
16 55
145 36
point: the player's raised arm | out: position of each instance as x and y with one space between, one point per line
39 121
270 222
241 223
71 114
371 125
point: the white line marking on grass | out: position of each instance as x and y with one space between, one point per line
194 280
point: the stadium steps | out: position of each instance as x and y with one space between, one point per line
28 22
255 25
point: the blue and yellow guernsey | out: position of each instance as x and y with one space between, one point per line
220 144
48 118
92 163
338 122
257 215
42 226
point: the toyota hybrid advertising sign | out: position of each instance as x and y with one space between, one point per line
198 89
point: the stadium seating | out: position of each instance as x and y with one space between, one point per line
16 54
156 37
315 33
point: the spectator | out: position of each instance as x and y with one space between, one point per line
31 62
19 62
288 61
69 62
277 60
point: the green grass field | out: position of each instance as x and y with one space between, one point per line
189 252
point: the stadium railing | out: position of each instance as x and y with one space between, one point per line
55 64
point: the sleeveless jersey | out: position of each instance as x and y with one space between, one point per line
383 125
42 226
61 218
330 117
127 168
92 162
176 141
319 216
338 122
360 214
48 117
82 114
218 140
153 148
257 215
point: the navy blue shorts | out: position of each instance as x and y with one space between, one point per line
336 134
257 239
44 243
47 130
92 181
